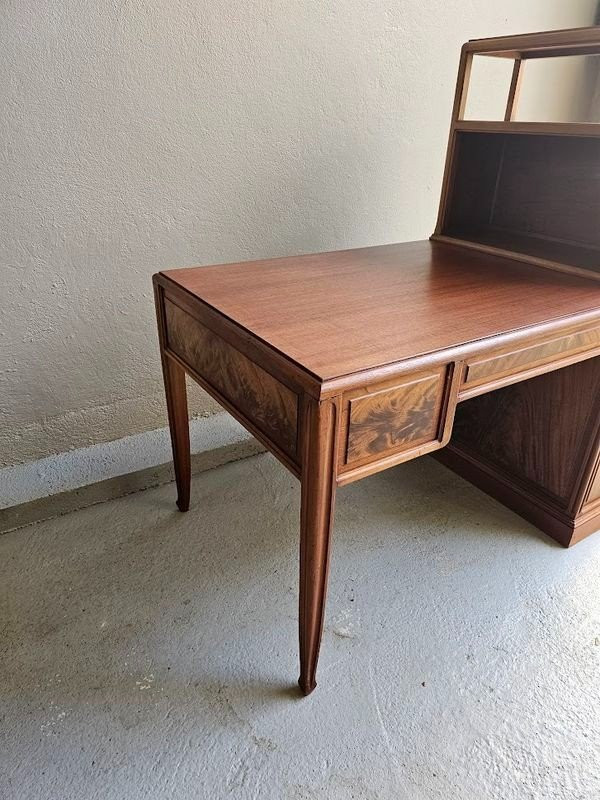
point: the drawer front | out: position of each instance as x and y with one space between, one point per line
253 392
505 364
381 421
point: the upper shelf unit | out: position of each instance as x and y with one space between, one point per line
528 190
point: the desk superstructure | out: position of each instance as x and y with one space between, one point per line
480 345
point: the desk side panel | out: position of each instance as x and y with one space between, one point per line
256 397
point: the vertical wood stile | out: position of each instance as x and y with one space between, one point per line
514 90
458 112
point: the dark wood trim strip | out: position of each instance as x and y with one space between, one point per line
537 128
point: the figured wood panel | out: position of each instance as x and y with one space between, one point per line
537 433
342 312
255 393
484 370
394 418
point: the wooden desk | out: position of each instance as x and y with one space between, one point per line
350 362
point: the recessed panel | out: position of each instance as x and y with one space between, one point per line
393 419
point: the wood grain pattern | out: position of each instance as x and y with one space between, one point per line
257 395
272 361
525 188
409 436
340 313
549 187
533 446
511 363
565 527
395 418
537 432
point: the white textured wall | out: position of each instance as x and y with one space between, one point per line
142 135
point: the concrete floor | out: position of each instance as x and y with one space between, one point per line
150 654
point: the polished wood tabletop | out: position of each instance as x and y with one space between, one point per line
342 312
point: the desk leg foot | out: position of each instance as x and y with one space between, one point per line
175 390
316 518
307 688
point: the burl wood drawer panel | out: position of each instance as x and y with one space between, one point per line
506 364
251 390
380 421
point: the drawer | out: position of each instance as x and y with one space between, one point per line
396 420
506 364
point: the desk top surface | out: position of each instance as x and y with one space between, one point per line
351 310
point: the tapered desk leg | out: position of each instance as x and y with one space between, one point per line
176 394
316 520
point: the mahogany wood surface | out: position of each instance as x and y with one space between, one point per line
394 418
534 128
348 311
398 420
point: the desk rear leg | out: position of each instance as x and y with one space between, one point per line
535 447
